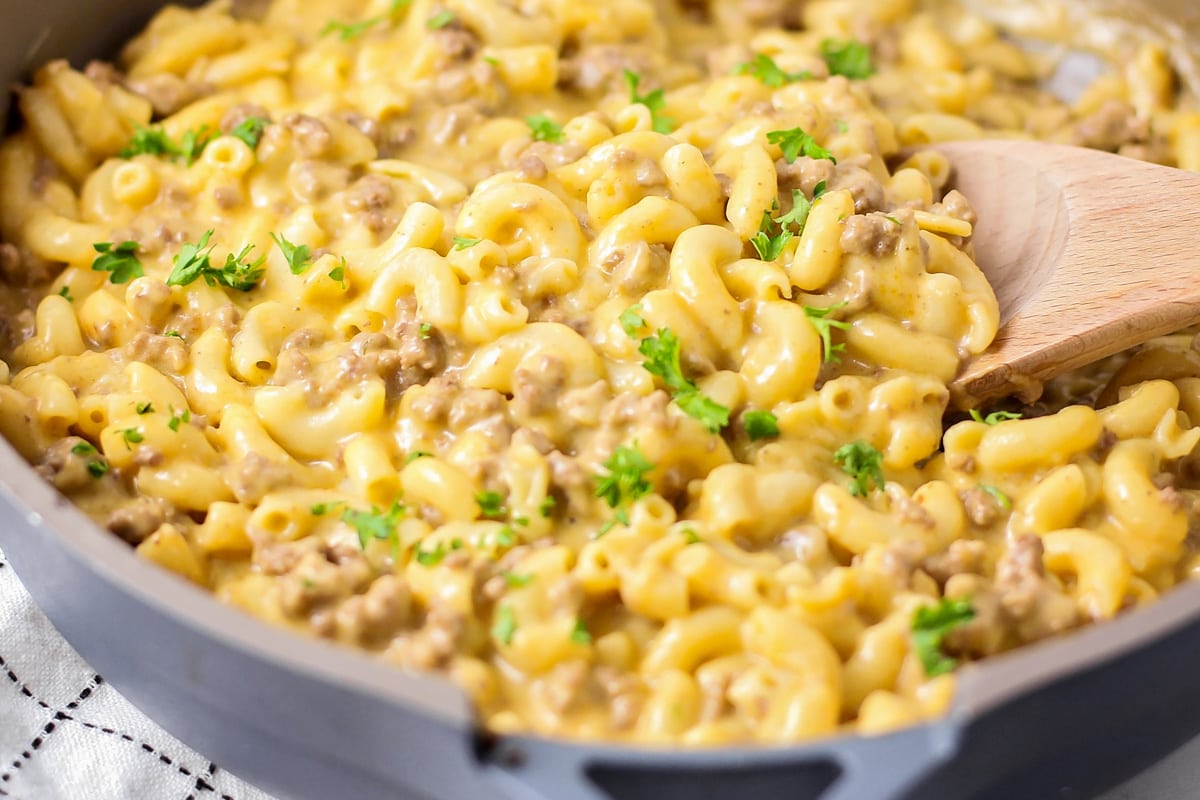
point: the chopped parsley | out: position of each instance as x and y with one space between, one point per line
298 256
631 321
580 633
424 330
760 424
465 242
491 504
321 509
769 73
661 352
375 524
1003 500
546 507
154 141
440 20
521 521
545 129
414 455
848 58
132 436
864 464
250 130
505 624
993 418
795 143
178 418
768 245
65 293
347 31
690 536
431 558
173 334
338 274
625 482
819 317
118 260
517 580
145 408
929 628
655 101
194 261
767 242
97 467
506 536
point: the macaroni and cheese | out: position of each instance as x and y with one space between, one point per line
592 353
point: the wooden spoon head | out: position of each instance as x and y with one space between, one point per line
1089 254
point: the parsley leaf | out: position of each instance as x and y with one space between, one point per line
321 509
662 360
491 504
929 629
132 436
414 455
505 624
770 246
440 20
347 31
515 580
993 418
506 536
760 424
151 141
690 536
848 58
625 481
375 524
1003 500
465 242
798 216
338 274
862 462
119 260
795 143
154 141
424 330
655 101
298 256
145 408
580 633
178 419
250 130
194 261
632 321
545 129
766 70
65 293
546 507
711 414
819 317
97 466
431 558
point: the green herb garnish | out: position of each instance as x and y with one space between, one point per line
864 464
118 260
929 629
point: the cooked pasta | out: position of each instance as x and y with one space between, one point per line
594 354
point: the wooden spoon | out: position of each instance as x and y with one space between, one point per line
1089 254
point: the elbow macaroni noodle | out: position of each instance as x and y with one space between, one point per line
397 437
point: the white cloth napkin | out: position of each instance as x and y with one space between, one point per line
65 734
